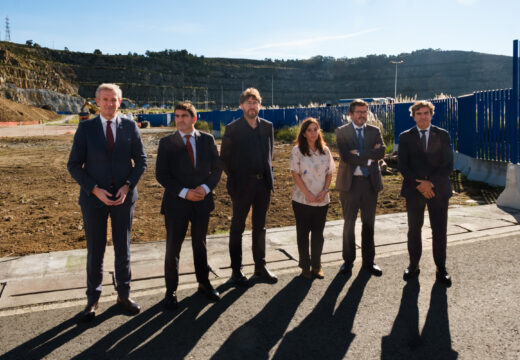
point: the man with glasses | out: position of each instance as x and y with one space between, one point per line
359 180
247 153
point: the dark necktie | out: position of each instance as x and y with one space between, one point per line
110 136
363 169
189 148
423 140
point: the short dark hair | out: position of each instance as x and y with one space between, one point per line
250 92
355 103
186 106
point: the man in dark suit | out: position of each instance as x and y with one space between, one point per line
247 153
425 160
188 167
359 181
101 162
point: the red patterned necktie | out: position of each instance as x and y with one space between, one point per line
189 148
110 136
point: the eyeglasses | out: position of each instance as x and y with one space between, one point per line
361 112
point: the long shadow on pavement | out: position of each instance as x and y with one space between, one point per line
159 333
404 341
325 333
256 338
52 339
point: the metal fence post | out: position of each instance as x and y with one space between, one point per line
514 150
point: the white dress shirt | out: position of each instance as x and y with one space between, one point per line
184 191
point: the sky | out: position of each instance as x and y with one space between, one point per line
261 29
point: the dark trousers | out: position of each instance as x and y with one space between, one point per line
361 196
438 213
309 219
257 196
176 227
95 224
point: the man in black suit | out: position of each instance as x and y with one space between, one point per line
188 167
247 153
101 162
425 160
359 181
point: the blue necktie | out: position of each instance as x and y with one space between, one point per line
364 169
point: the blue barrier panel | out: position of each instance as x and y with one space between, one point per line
403 120
154 119
467 126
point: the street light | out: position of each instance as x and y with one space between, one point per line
395 85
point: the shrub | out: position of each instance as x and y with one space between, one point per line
286 134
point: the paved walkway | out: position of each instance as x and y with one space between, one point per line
57 279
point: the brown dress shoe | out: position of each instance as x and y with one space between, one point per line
89 313
129 305
318 273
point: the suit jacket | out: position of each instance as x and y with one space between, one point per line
91 163
234 149
175 171
435 165
347 140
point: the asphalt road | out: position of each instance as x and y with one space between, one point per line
355 317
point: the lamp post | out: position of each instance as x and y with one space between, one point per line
395 83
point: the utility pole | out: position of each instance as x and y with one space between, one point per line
272 90
7 30
395 83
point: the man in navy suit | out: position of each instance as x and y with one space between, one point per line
101 162
188 167
247 153
425 159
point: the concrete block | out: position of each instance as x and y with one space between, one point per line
510 197
462 163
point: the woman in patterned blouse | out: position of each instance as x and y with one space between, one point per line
311 166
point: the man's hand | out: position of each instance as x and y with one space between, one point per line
197 194
425 187
121 195
377 146
354 152
103 195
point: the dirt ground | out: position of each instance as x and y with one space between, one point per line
11 111
39 210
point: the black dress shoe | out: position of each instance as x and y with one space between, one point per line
129 305
89 313
411 272
170 301
443 276
373 269
266 275
346 269
239 279
207 290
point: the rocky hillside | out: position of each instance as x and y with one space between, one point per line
167 76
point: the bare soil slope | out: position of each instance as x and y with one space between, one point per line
11 111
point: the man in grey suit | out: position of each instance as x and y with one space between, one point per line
425 159
359 181
188 167
101 162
